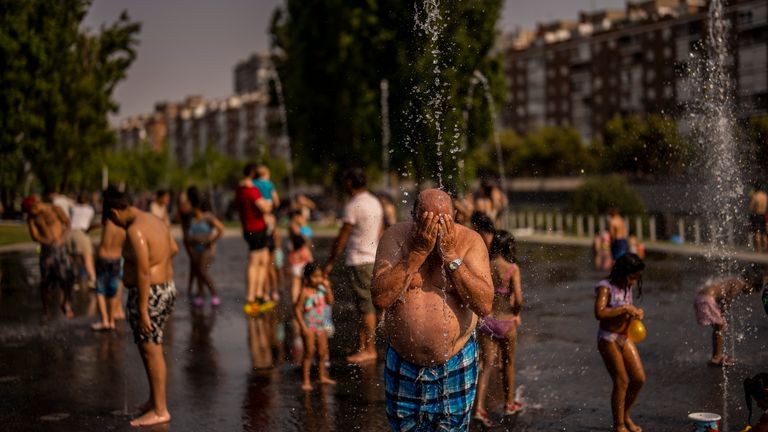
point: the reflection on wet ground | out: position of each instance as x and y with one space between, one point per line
229 372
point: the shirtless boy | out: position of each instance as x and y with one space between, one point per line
713 302
48 225
148 276
618 232
109 270
432 279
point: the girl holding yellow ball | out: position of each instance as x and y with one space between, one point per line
615 310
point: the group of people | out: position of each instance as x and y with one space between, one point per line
443 288
135 251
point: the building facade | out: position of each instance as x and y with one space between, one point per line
633 61
244 126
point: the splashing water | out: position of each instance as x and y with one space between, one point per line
430 22
285 138
483 80
714 124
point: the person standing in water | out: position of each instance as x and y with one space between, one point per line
432 279
48 226
758 206
614 308
204 230
713 302
618 232
109 272
498 333
363 224
253 207
148 276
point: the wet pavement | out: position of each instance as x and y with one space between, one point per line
64 377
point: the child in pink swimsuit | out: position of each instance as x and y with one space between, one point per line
310 311
498 331
614 309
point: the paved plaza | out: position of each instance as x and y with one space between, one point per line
64 377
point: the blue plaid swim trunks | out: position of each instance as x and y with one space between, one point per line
439 398
161 300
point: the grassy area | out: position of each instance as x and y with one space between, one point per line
12 233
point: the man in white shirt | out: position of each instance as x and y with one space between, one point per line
363 224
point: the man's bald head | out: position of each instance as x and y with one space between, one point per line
432 200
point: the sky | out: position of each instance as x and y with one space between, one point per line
191 46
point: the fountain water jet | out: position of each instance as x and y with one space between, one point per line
714 123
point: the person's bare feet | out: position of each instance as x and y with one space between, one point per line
306 386
361 357
67 311
632 426
620 428
151 418
326 380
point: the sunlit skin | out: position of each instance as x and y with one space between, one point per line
623 363
111 248
201 261
724 292
258 260
148 257
48 225
494 351
758 205
314 342
616 227
430 312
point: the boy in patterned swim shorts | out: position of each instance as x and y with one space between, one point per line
148 276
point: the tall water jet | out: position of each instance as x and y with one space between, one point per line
430 22
285 139
483 80
714 125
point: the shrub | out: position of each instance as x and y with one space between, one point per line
596 195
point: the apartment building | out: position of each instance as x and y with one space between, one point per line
632 61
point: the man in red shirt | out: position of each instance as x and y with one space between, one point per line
252 207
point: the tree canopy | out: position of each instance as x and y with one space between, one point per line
332 55
58 81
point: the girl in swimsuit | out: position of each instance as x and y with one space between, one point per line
757 388
203 232
614 309
498 332
311 313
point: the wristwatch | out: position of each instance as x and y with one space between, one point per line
455 264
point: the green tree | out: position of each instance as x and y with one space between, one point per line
332 56
757 148
596 195
645 147
57 89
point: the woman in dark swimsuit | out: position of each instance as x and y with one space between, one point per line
498 332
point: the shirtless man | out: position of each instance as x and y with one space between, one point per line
109 271
713 302
432 279
148 276
48 225
758 205
618 232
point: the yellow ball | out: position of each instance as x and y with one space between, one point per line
636 331
247 308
